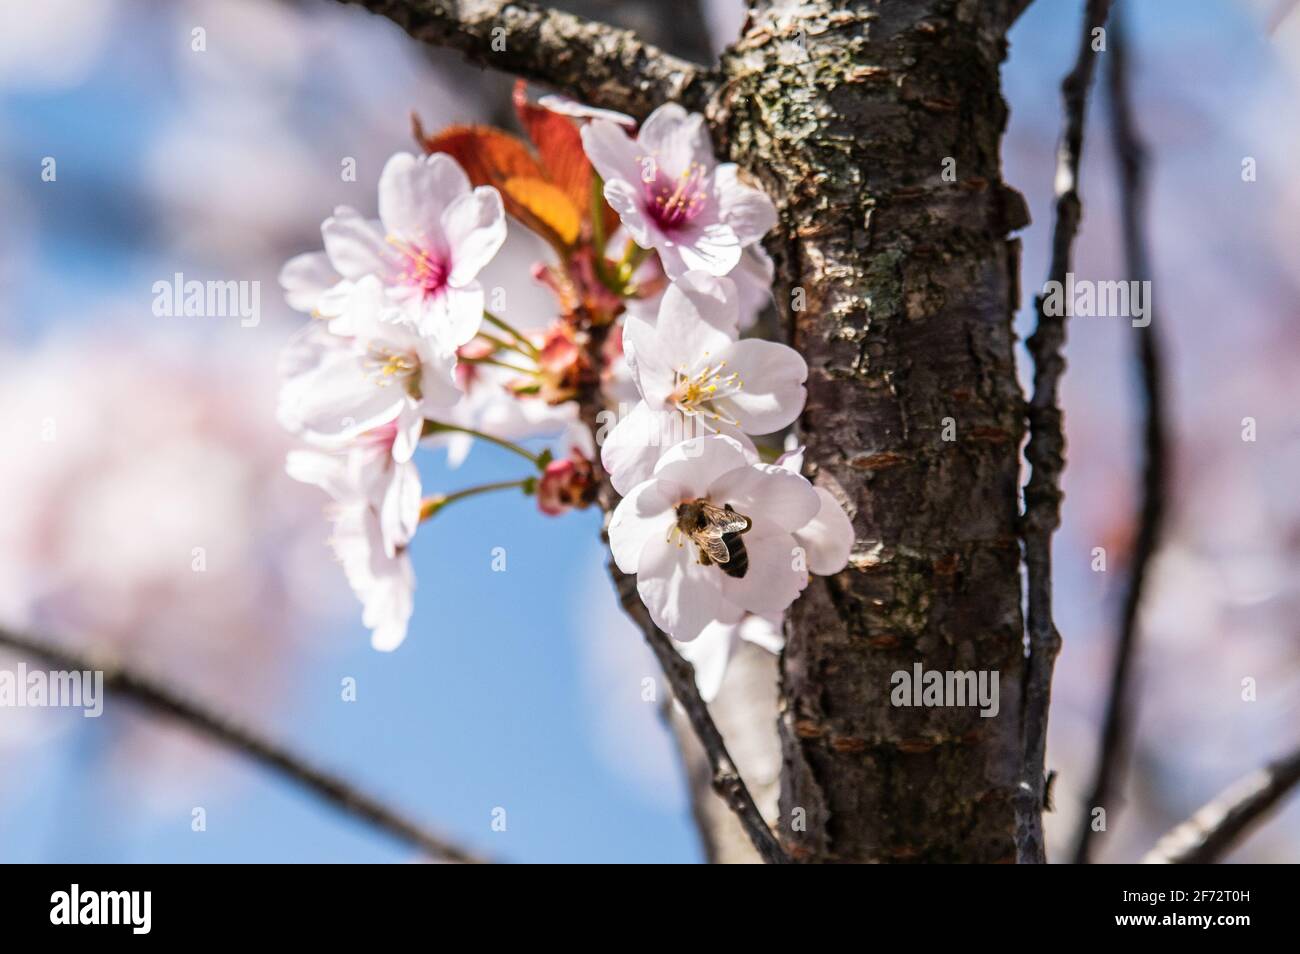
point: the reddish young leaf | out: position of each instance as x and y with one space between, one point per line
542 203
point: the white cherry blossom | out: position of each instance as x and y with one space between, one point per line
696 377
682 592
375 512
364 369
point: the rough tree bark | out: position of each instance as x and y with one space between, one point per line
849 114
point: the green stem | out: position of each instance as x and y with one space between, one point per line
437 427
502 345
633 256
431 505
508 329
598 221
499 364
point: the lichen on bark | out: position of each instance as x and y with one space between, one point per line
850 115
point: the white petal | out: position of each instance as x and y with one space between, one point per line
763 631
682 596
327 471
438 387
709 654
475 227
753 278
305 278
694 465
414 193
625 199
611 152
773 580
676 139
698 321
828 537
332 395
670 256
709 247
452 317
749 212
399 514
631 449
571 107
390 602
769 493
355 246
645 514
772 375
410 424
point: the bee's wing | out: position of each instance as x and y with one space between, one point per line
721 521
713 546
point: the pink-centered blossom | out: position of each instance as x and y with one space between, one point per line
433 236
673 196
686 591
697 377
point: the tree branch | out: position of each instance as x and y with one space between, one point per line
1046 448
1130 155
596 63
1217 826
681 677
165 701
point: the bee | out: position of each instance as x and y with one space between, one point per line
716 531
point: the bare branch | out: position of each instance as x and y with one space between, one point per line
594 62
1130 155
1046 448
162 699
681 676
1217 826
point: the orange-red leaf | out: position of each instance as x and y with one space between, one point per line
488 156
559 147
540 202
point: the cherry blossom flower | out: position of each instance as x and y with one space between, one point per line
826 541
685 589
375 512
673 196
695 376
363 370
433 236
385 584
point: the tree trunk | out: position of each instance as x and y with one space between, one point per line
898 284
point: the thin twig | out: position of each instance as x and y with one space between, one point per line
163 699
594 62
681 677
1217 826
1045 451
1130 155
